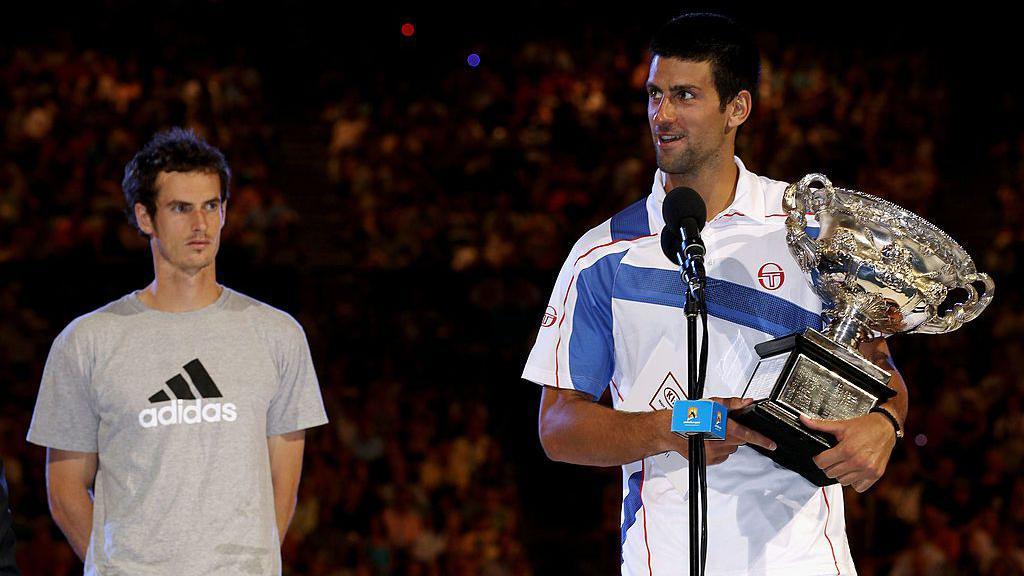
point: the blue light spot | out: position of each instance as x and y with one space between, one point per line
473 60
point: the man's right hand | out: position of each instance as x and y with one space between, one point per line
576 429
718 451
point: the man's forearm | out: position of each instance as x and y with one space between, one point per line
72 511
284 508
285 470
69 478
898 404
575 430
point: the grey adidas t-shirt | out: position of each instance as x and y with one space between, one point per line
179 407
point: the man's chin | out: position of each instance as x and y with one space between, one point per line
674 167
195 265
682 164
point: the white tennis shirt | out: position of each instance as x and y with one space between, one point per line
617 301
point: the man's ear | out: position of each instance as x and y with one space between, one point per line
738 110
144 219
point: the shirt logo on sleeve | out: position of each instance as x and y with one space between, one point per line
185 408
550 317
771 276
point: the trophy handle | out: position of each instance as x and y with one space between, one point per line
798 201
965 311
972 309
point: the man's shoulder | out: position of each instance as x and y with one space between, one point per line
771 184
272 320
103 320
772 191
628 225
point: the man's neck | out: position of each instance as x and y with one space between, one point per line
175 290
716 183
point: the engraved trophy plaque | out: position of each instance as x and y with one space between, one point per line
879 270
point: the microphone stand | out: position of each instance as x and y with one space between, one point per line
694 278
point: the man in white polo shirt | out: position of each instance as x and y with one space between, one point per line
615 320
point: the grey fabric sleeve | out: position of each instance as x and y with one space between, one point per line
297 405
65 416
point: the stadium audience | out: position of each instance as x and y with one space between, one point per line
490 180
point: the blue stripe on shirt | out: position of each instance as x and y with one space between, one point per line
631 222
591 352
631 504
726 300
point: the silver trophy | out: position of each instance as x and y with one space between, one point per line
879 270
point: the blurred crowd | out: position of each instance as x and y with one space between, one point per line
488 178
71 120
509 160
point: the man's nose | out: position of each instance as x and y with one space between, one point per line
665 113
199 222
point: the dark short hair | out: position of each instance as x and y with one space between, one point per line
174 150
707 37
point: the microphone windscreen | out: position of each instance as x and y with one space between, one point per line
670 241
682 203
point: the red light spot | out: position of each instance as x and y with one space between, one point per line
408 29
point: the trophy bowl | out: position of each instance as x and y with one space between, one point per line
879 270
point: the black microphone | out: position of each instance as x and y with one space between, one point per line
685 215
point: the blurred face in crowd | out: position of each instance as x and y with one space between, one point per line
185 231
688 125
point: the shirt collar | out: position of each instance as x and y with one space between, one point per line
748 203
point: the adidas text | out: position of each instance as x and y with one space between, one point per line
178 413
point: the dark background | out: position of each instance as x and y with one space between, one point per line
412 213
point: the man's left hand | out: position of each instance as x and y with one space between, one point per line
863 447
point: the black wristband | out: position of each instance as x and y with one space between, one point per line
892 420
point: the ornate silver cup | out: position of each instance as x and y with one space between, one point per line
879 270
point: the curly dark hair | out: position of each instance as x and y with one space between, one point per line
174 150
715 38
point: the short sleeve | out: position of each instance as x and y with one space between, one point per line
65 415
540 366
579 350
297 405
589 360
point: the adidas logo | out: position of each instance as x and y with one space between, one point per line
178 412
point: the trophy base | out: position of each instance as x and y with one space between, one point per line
796 446
808 374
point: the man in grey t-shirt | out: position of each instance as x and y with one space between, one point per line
174 417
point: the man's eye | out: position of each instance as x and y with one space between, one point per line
652 94
179 208
684 95
212 205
